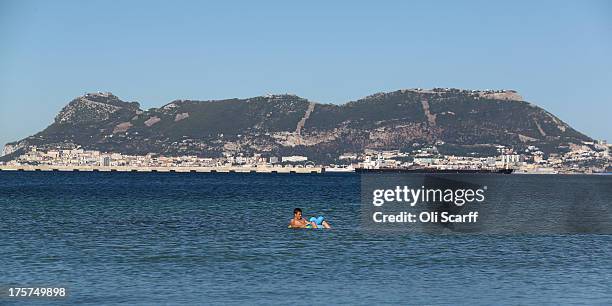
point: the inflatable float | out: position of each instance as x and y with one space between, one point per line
317 220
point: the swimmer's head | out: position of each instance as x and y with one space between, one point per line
297 213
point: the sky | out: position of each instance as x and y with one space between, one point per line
557 54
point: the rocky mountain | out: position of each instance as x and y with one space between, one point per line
458 121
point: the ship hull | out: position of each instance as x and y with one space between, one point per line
426 170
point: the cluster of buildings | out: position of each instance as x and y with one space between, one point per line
591 157
586 158
429 157
81 157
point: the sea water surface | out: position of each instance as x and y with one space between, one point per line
192 238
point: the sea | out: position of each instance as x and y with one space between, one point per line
222 239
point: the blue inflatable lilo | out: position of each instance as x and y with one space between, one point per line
318 221
314 222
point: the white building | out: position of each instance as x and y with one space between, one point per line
294 158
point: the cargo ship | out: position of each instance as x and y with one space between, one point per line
431 170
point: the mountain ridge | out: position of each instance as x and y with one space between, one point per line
288 124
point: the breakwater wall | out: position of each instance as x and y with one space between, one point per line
223 169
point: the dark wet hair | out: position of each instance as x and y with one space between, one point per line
295 211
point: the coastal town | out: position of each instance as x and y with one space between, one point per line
591 158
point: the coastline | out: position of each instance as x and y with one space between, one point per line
223 169
233 169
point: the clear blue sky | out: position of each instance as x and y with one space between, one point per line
557 54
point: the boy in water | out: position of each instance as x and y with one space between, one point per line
299 222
